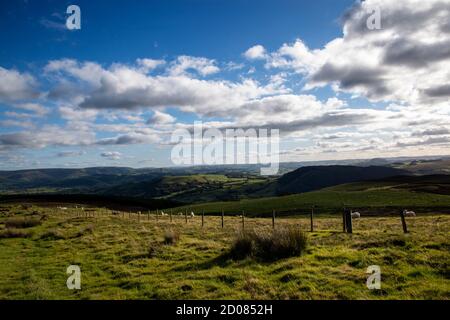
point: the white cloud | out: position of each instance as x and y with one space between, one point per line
111 155
16 86
161 118
35 108
184 64
147 65
407 60
255 53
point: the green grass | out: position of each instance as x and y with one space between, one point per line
328 199
123 258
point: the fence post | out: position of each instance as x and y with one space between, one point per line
273 218
222 218
312 219
243 220
402 215
170 215
348 220
185 215
203 216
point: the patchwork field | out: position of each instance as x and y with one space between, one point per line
126 256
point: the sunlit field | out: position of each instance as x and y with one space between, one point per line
131 256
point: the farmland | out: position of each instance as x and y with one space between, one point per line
123 256
372 197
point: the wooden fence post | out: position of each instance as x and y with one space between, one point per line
273 218
185 215
243 220
312 219
348 221
170 215
222 218
402 215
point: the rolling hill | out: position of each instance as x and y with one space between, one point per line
370 197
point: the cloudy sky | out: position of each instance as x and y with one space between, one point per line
113 92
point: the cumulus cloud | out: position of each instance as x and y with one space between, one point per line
123 87
255 52
147 65
184 64
161 118
385 64
111 155
16 86
49 135
35 108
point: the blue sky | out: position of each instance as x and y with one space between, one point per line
112 92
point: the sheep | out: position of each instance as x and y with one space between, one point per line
62 208
163 213
192 214
409 213
356 215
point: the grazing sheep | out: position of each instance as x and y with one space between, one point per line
356 215
62 208
192 214
409 213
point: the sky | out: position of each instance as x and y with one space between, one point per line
338 79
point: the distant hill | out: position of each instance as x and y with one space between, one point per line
208 183
387 196
317 177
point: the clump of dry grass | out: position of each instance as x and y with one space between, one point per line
52 234
278 244
15 233
23 222
171 237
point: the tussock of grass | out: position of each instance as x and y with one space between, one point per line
279 244
15 233
52 234
171 237
16 223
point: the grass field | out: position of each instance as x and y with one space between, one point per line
373 196
123 258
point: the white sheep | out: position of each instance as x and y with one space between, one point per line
356 215
192 214
409 213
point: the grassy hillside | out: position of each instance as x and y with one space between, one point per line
370 196
123 258
318 177
193 188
